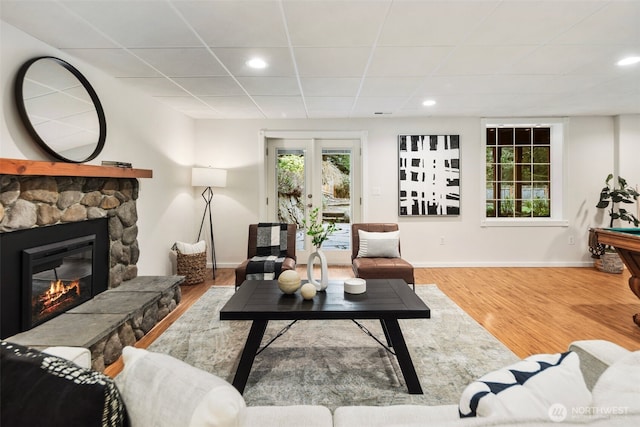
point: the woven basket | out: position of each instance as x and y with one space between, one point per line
193 267
610 262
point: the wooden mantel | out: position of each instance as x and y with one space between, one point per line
32 167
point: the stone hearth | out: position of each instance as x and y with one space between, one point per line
110 321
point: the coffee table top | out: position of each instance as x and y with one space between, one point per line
263 300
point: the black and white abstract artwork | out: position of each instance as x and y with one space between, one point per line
429 175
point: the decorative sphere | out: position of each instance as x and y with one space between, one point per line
289 281
308 291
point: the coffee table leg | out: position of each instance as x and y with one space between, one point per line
402 353
249 354
386 333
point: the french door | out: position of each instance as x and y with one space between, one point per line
313 173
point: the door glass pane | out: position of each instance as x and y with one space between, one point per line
290 165
336 196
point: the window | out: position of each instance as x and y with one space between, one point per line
523 172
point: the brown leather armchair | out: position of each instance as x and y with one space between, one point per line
289 261
378 268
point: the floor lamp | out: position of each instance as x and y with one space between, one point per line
208 177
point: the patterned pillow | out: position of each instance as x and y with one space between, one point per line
39 389
531 388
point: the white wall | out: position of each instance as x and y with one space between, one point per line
590 142
139 130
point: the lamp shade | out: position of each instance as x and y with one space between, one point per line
208 177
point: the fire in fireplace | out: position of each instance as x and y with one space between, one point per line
31 259
57 277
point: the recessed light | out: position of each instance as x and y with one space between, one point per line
629 60
257 63
429 103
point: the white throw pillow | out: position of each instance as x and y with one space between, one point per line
528 389
159 390
379 244
617 391
191 248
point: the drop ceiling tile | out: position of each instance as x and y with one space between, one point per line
210 86
182 62
51 23
330 86
282 107
335 104
478 105
183 102
616 22
390 86
432 23
240 107
137 23
487 85
485 60
278 60
334 23
406 61
561 60
370 105
116 62
190 106
529 22
331 62
236 23
270 86
154 86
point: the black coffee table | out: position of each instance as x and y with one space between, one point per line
386 300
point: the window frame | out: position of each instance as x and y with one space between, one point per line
557 175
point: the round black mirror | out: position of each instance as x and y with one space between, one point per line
60 109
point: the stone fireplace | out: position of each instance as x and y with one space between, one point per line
60 203
33 203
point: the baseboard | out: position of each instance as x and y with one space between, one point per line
514 264
466 264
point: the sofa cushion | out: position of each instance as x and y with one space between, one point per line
618 388
39 389
294 415
529 388
160 390
394 415
379 245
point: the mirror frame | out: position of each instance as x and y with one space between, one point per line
19 95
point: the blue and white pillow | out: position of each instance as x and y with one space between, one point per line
528 389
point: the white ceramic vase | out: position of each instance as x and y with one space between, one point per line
324 271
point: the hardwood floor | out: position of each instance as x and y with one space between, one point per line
530 310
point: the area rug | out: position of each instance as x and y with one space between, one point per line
333 363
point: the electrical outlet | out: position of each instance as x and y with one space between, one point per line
442 240
572 241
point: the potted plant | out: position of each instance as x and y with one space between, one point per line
319 233
613 197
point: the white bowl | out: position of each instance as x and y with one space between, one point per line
355 286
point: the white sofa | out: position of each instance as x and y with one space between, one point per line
159 390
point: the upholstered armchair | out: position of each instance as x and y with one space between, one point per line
375 255
289 262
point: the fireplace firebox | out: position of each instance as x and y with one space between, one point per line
56 278
46 271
